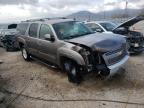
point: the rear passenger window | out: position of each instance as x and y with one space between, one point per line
33 30
22 28
45 29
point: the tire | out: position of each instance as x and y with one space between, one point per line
7 48
72 71
25 54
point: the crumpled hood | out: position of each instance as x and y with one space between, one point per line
105 41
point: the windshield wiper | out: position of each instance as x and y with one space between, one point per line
82 34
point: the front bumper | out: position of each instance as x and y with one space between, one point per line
136 49
114 68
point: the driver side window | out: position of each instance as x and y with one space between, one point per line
44 29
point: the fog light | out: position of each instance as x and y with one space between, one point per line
136 45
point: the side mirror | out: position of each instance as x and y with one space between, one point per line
49 37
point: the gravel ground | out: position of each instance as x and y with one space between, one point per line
36 85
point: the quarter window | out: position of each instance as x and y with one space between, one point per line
22 28
45 29
33 30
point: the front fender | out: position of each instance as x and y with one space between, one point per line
21 40
64 52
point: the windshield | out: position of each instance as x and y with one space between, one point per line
108 25
71 29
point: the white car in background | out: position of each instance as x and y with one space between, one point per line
102 26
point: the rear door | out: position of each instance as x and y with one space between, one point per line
32 39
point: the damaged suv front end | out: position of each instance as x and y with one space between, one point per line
75 48
103 54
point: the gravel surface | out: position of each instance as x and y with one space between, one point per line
36 85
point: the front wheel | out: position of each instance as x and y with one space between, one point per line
25 54
73 71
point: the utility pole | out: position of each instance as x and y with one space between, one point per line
126 8
89 17
104 11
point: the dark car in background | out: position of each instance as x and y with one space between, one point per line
135 39
8 37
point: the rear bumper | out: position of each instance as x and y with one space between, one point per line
114 68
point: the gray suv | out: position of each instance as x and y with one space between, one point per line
72 46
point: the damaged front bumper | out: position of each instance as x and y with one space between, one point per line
115 60
114 68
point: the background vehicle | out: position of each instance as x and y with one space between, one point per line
102 26
72 46
8 37
135 39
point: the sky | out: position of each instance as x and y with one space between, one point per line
17 10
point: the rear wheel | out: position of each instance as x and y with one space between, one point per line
72 71
25 54
7 46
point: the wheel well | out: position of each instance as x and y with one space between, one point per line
62 59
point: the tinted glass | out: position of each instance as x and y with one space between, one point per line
71 29
22 28
12 26
45 29
33 30
108 26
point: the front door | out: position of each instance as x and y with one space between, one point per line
47 49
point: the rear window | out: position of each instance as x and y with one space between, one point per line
22 28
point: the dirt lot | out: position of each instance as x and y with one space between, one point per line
35 85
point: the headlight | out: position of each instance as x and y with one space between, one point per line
99 49
84 52
76 48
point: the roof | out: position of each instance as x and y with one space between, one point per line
50 21
99 22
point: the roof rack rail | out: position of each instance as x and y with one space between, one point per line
56 18
44 19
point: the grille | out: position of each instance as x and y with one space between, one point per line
116 59
116 56
136 39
